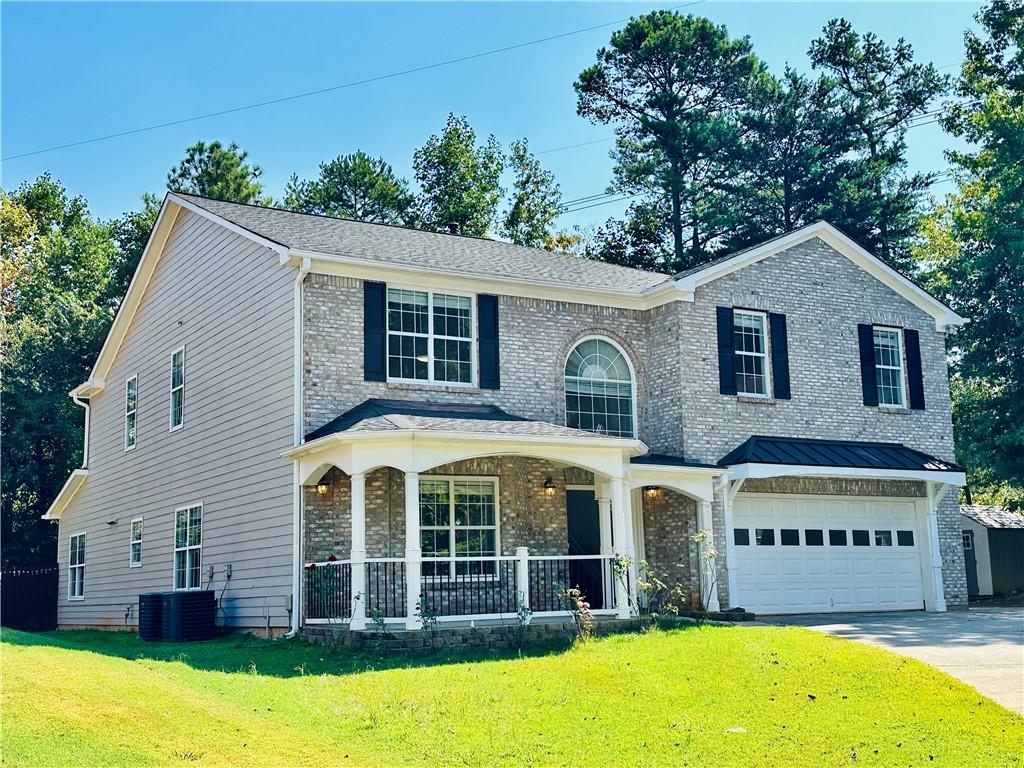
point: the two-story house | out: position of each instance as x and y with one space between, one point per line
329 420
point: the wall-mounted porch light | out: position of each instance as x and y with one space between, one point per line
549 487
322 486
652 491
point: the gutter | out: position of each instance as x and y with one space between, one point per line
85 444
297 395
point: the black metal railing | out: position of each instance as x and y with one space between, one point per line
551 577
385 588
328 590
470 586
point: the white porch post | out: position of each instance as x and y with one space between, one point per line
358 555
935 493
604 518
725 487
413 554
709 593
622 518
523 576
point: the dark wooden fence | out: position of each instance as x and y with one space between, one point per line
28 599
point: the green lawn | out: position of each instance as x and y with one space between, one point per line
696 696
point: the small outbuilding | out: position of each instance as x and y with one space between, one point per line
993 542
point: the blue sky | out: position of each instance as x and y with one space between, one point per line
79 70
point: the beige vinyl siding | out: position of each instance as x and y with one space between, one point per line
229 302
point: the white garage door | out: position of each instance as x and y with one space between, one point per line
800 554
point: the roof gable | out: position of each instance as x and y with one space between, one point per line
169 213
900 284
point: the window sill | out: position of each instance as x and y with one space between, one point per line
894 410
426 387
755 399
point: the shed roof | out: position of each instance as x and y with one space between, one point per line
759 449
992 516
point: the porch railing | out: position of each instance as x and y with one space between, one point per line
328 590
460 587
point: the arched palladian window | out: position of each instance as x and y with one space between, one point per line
599 389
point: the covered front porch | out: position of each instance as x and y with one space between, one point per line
461 514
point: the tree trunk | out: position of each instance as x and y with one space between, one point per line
677 225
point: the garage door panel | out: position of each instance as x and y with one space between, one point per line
821 576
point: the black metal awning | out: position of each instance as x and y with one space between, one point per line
806 452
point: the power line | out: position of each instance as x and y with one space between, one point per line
574 146
332 88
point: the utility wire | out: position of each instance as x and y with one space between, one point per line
332 88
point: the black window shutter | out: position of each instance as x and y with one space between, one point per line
726 364
915 377
780 356
487 330
869 387
375 335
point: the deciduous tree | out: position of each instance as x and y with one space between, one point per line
535 200
460 181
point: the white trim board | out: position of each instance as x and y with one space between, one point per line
71 487
900 284
752 470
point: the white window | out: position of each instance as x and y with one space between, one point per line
889 366
178 389
458 520
188 546
76 567
135 547
599 389
430 337
750 351
131 406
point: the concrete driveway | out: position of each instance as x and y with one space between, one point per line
984 647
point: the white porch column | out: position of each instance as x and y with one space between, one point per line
725 487
604 519
413 554
935 493
358 555
705 522
523 576
622 519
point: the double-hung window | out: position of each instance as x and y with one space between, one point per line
188 546
177 389
750 349
135 546
430 337
458 526
131 407
76 567
889 366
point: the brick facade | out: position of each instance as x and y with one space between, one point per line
669 520
679 409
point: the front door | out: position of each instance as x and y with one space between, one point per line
585 539
970 564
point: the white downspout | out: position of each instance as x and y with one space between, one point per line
297 396
85 443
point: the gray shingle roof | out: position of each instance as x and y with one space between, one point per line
992 516
471 256
833 453
378 415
